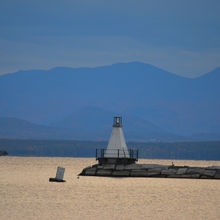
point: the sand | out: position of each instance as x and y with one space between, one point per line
26 193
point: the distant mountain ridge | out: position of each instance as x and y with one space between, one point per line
175 104
17 128
21 129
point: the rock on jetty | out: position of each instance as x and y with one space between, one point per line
152 170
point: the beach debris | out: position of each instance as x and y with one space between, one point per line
59 175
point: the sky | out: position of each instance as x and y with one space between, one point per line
182 37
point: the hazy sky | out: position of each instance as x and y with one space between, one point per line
181 36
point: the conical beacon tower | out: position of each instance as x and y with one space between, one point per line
117 146
117 151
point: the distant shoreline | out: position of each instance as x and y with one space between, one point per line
165 159
209 150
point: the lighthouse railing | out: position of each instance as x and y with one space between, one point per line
117 153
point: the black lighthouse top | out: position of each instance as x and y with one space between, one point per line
117 123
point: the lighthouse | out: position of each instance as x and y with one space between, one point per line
117 151
117 146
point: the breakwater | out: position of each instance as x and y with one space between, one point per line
152 170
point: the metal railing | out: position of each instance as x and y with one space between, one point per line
116 153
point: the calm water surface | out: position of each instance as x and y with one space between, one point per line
26 193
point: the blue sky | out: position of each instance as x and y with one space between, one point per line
182 37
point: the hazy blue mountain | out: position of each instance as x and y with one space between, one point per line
81 129
17 128
99 122
94 118
172 103
22 129
204 137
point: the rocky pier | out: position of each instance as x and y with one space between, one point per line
152 170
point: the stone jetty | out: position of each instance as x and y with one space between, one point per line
152 170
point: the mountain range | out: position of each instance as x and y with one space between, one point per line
80 103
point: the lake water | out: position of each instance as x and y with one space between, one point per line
26 193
